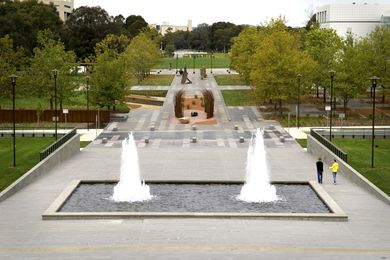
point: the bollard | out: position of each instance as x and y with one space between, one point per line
193 139
104 140
241 139
152 128
193 127
115 128
281 139
235 127
146 140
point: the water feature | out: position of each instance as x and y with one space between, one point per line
257 187
194 197
132 197
130 188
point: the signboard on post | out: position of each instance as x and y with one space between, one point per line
327 108
65 111
341 115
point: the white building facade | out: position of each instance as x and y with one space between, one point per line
359 19
166 27
64 7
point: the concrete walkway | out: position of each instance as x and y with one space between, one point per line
218 155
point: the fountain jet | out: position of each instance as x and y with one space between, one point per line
130 188
257 187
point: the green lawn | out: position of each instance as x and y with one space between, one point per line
149 93
359 157
84 144
155 80
220 60
238 97
27 155
230 80
302 142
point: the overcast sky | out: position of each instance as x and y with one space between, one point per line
254 12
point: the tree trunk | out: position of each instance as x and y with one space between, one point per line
345 102
324 96
317 91
383 94
280 107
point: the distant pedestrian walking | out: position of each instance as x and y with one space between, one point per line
335 169
320 170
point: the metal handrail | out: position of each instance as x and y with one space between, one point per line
49 150
337 151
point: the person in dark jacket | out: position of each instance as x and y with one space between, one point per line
320 169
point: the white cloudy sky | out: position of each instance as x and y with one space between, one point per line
178 12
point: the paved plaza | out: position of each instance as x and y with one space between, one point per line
170 155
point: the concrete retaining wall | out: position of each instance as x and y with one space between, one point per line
67 150
318 150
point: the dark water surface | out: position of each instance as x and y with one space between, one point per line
294 198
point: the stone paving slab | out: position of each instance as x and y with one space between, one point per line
235 87
150 88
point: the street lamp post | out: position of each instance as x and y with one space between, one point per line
88 115
193 72
55 73
177 58
211 58
374 80
331 73
299 76
13 78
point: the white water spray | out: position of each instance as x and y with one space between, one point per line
130 188
257 187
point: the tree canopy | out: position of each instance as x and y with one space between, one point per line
141 55
115 68
270 58
133 25
10 62
50 55
215 37
323 46
85 27
22 20
108 80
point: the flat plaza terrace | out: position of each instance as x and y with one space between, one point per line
216 156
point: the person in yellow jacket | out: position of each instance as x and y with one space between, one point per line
335 169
